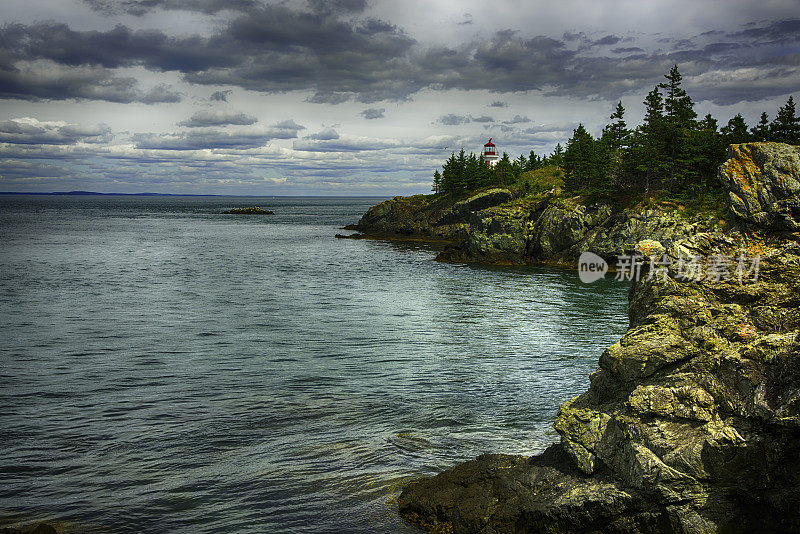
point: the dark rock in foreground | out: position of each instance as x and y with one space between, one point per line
41 528
545 493
252 210
692 421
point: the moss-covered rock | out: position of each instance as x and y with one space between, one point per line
692 421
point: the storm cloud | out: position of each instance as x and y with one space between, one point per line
218 118
195 90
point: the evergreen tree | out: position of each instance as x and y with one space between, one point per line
437 182
472 173
519 165
461 172
678 106
735 131
760 132
584 168
449 178
557 157
786 126
534 162
616 133
679 122
645 161
503 170
709 150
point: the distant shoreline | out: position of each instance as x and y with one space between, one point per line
95 194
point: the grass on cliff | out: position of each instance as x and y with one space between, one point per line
709 203
548 183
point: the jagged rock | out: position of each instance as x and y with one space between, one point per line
410 217
692 421
497 493
763 182
460 211
497 234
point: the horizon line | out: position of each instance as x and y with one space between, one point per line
146 194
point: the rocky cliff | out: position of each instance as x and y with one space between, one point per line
692 421
494 227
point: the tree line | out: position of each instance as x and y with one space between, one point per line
462 172
671 151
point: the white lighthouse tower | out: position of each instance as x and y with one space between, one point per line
489 153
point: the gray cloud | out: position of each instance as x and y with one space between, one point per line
498 104
778 32
325 135
331 51
455 120
360 144
607 40
373 113
199 140
141 7
29 131
627 50
220 96
209 138
161 93
517 120
218 118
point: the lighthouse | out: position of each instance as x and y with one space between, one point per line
489 153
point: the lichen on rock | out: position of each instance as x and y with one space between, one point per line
692 421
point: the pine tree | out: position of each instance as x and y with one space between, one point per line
679 117
461 171
709 150
735 131
616 133
678 106
760 132
473 173
534 162
584 165
437 182
557 157
503 170
645 161
449 177
786 126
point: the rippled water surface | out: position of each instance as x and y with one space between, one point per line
167 368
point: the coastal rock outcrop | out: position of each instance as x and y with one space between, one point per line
692 421
762 182
460 211
410 217
560 233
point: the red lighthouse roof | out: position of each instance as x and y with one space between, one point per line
490 142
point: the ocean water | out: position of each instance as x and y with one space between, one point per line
167 368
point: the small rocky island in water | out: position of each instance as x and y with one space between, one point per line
252 210
691 423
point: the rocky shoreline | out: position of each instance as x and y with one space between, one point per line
493 227
692 421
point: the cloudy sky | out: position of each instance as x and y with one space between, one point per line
351 97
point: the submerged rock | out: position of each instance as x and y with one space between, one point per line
692 421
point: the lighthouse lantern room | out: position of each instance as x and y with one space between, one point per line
489 153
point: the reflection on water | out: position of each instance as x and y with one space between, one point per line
166 368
